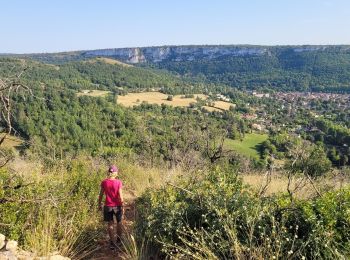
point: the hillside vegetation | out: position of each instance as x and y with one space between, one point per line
185 168
279 68
316 68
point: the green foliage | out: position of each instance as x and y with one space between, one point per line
279 68
217 217
249 145
58 208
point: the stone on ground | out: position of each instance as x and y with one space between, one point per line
11 246
2 241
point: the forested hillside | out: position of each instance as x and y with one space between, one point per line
55 121
91 74
280 68
316 68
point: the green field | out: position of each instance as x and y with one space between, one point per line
248 145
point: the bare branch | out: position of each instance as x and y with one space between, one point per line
9 87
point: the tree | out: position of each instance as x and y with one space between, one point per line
306 160
9 87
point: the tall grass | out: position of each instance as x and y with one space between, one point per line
133 249
59 208
53 232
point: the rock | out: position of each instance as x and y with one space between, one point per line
25 257
8 255
2 241
11 246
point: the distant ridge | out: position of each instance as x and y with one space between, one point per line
294 67
154 54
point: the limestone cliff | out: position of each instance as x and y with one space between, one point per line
175 53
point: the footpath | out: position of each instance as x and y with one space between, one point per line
104 252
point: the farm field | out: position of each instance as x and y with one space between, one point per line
211 109
134 99
248 145
93 93
223 105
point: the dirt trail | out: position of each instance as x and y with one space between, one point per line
104 252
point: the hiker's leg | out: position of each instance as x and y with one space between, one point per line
110 228
119 230
119 217
108 217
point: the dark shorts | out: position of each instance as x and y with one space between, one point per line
109 212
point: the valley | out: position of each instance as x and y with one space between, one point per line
223 148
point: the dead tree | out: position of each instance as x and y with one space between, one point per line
10 86
214 143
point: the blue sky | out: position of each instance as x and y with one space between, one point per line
63 25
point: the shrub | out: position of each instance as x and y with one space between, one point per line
58 209
217 217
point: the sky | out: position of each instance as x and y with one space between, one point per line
32 26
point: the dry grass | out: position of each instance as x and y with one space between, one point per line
11 141
93 93
109 61
211 109
223 105
279 184
134 99
137 178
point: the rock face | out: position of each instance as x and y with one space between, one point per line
175 53
9 251
201 52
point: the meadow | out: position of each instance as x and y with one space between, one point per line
134 99
248 145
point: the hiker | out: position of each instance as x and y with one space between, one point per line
111 187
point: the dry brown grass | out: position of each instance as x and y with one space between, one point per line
223 105
11 141
134 99
211 109
137 178
110 61
93 93
279 184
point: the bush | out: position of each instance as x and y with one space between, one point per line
219 218
58 209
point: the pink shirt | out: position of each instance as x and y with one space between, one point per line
111 189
